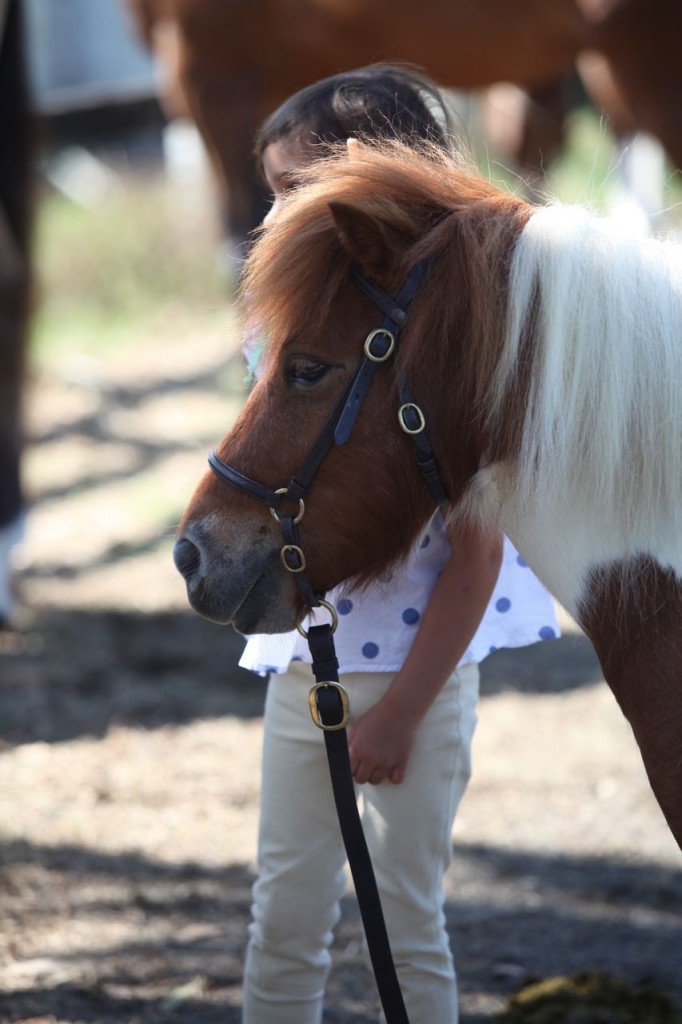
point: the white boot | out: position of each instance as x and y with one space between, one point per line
10 536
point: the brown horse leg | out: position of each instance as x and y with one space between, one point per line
12 317
633 616
640 42
227 111
15 196
543 130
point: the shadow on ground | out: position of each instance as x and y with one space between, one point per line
95 937
170 938
78 673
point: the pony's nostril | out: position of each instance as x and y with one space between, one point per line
186 557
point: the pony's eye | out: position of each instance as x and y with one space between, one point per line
305 372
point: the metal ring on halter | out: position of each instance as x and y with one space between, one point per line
292 548
301 507
403 423
368 345
315 712
323 604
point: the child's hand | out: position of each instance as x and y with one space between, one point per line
380 745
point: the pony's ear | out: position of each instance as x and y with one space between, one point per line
353 148
365 239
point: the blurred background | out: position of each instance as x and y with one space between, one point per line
129 738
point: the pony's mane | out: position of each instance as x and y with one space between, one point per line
603 417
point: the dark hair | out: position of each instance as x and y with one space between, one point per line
390 101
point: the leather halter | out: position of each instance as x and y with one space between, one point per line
380 345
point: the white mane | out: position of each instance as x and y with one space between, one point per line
603 424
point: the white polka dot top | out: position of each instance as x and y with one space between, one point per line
376 627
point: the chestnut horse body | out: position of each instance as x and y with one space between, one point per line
543 349
229 64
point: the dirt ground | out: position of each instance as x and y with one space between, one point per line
130 741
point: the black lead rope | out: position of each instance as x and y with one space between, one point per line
329 708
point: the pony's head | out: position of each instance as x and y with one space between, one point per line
384 209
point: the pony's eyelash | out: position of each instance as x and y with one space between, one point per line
306 371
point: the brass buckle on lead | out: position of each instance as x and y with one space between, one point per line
315 712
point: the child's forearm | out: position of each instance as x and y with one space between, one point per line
449 622
381 741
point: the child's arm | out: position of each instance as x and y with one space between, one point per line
381 741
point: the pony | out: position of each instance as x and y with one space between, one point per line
228 65
543 349
15 140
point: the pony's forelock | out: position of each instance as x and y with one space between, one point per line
298 253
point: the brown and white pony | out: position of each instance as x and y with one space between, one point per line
545 351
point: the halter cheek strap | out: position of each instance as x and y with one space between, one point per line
380 344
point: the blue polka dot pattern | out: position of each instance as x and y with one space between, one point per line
345 606
410 616
521 562
503 604
546 633
370 650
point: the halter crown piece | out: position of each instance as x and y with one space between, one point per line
380 345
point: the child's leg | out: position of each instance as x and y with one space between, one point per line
301 865
408 829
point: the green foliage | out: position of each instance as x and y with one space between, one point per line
587 171
105 269
147 254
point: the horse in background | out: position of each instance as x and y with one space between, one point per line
15 148
230 64
543 351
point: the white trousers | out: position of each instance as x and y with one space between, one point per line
302 860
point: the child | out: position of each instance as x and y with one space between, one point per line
408 650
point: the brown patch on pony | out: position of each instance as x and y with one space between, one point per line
632 612
440 211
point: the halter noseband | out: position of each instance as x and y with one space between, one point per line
380 345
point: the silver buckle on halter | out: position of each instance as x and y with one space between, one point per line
301 507
411 407
292 549
368 345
